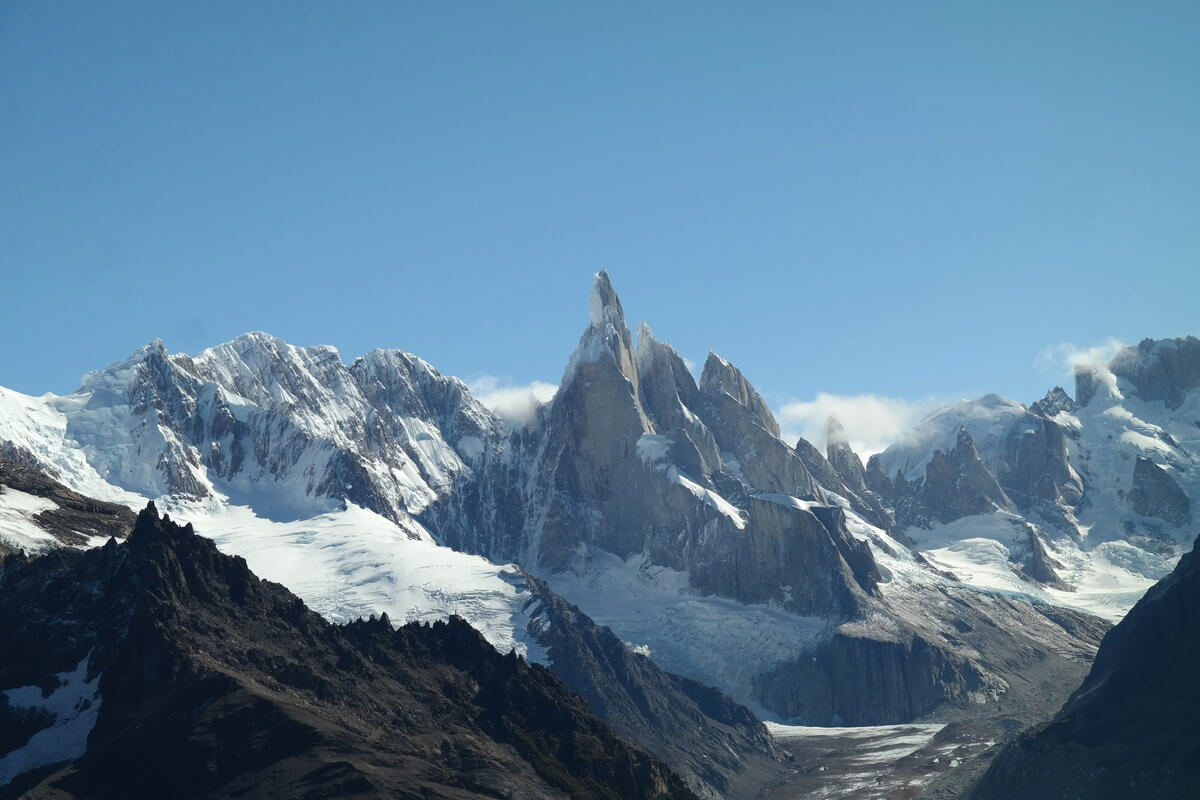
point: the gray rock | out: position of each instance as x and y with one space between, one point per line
958 484
945 652
841 471
629 457
717 746
1056 401
1154 493
1087 384
1038 565
1041 469
76 517
1164 369
1130 729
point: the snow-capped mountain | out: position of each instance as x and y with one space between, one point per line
668 509
1082 503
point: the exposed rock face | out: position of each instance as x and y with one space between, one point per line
744 427
211 683
1017 459
1038 565
269 419
722 378
76 518
1087 384
1040 467
842 457
1129 730
634 458
958 484
1165 369
1155 493
1056 401
719 747
947 652
840 470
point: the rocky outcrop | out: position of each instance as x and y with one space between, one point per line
294 424
206 682
1160 370
1040 469
719 747
956 484
744 428
1036 564
841 471
1129 730
1088 383
75 519
1056 401
633 457
1017 460
842 457
946 651
858 678
1154 493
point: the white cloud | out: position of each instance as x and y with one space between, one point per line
516 404
1065 357
871 421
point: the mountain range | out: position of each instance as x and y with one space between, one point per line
648 535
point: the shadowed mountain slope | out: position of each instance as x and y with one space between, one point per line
187 676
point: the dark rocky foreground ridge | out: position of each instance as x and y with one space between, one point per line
718 746
1130 730
213 683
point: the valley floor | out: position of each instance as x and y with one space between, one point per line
884 762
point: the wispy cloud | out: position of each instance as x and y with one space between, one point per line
515 403
1064 358
871 421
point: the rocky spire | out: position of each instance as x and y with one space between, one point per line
604 306
721 377
664 378
842 456
958 483
607 336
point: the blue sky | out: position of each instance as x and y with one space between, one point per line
905 199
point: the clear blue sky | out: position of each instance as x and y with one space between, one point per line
899 198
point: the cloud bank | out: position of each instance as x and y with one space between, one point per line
871 421
516 404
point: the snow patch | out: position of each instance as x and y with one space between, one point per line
353 563
652 449
75 705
